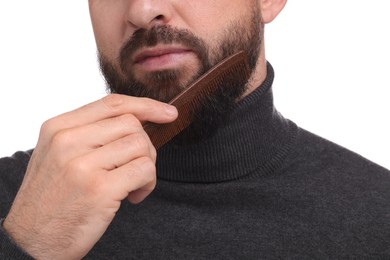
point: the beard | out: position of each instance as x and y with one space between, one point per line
164 85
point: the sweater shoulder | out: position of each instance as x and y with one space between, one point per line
314 152
337 176
344 195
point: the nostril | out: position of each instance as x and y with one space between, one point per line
159 17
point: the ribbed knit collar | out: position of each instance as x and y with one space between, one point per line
254 140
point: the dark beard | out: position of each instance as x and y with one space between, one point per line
164 85
161 85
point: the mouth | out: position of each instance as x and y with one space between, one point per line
160 58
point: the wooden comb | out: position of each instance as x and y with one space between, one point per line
189 100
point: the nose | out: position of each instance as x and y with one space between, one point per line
148 13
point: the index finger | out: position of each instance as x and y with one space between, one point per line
145 109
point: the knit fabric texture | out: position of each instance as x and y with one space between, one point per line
260 188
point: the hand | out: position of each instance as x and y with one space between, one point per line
85 163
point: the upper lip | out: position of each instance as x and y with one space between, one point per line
157 51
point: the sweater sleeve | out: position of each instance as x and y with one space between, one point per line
12 170
8 248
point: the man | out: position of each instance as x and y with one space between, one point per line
240 182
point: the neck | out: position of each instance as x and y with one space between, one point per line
255 136
258 75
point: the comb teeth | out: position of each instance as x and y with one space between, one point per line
191 98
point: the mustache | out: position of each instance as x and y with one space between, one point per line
162 34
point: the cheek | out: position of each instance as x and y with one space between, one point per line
110 33
208 18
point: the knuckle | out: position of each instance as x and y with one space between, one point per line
96 186
145 170
77 168
140 143
78 174
153 154
151 105
62 139
48 127
148 166
113 101
129 120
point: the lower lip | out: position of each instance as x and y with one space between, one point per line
165 61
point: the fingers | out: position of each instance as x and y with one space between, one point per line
101 122
86 162
122 151
128 166
144 109
106 137
116 137
136 180
97 134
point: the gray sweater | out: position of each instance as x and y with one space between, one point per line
260 188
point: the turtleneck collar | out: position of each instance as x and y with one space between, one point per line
256 138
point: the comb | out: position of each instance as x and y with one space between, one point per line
190 99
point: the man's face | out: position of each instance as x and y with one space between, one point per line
157 48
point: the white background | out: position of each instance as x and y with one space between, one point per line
331 59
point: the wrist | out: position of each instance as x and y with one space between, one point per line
9 249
